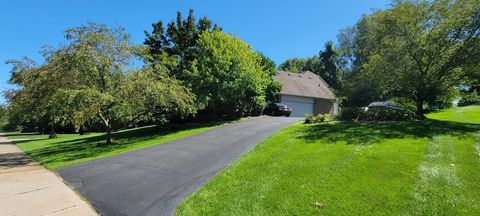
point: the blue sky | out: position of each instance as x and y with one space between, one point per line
279 29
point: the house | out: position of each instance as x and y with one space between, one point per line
306 92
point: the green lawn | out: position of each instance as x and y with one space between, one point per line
70 149
429 167
468 114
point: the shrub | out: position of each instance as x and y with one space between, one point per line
9 126
312 119
387 114
470 99
328 117
309 118
374 114
349 113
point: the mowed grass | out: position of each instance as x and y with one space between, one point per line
70 149
429 167
467 114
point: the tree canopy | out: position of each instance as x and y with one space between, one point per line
91 78
329 70
354 47
228 76
324 64
416 51
293 65
99 77
186 47
424 48
178 41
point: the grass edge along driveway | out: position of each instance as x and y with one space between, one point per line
69 149
426 167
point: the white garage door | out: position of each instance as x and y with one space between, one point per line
300 105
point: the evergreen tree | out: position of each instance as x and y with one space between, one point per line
329 70
178 41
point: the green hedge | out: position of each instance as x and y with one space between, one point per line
374 114
311 119
470 99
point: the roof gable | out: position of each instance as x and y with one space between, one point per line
305 84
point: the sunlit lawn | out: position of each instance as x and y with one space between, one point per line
429 167
70 149
468 114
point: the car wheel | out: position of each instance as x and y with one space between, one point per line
287 115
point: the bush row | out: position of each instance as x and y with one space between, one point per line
311 119
374 114
470 99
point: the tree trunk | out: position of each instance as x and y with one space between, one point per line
52 133
81 130
108 129
419 112
108 135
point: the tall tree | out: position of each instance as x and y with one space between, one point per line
229 76
356 87
183 41
314 65
325 65
273 86
3 111
120 96
30 102
93 77
294 65
329 70
179 41
424 48
355 46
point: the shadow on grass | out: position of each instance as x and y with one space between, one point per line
366 133
18 141
15 134
62 151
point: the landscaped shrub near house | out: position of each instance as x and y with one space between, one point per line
374 114
308 118
328 117
470 99
350 113
386 114
312 119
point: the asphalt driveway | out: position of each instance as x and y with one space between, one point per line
153 180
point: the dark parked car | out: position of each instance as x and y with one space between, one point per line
277 109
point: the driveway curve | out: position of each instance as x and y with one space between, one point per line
153 180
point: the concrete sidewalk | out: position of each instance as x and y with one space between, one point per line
27 188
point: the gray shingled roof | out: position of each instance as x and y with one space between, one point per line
305 84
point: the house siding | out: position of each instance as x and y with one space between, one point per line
319 106
322 106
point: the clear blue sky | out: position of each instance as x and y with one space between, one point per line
279 29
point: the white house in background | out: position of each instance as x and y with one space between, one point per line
306 92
